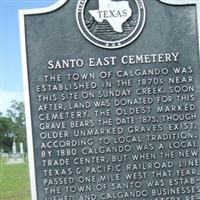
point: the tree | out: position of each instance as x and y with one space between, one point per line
7 128
17 114
13 125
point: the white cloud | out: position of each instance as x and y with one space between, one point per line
6 97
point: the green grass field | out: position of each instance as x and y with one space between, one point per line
14 181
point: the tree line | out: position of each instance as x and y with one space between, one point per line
12 125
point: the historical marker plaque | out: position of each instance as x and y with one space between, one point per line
113 99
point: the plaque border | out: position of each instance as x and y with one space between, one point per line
22 29
21 14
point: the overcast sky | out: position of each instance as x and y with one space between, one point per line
11 86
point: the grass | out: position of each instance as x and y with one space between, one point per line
14 181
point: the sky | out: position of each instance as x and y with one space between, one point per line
11 84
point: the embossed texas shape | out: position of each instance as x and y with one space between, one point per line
187 2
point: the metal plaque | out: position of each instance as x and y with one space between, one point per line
112 91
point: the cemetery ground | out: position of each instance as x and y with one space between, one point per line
14 181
